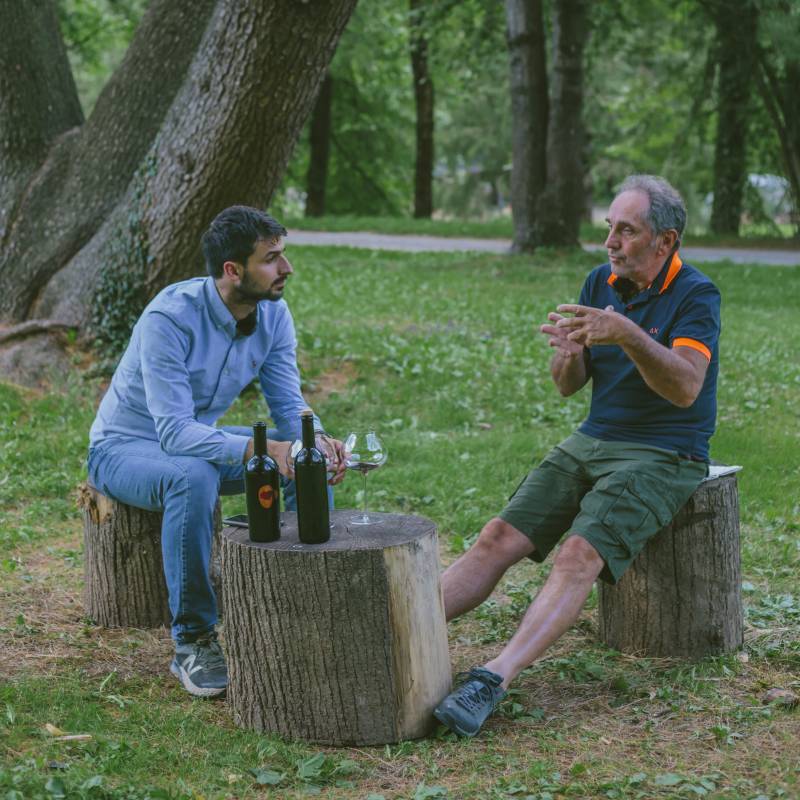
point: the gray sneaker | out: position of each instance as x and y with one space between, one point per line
200 666
472 703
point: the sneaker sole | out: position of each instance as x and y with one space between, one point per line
198 691
445 718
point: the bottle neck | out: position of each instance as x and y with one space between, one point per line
260 439
309 437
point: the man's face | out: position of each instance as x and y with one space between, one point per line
633 250
265 273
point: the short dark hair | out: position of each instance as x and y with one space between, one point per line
233 234
667 210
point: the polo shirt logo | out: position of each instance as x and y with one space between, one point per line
653 331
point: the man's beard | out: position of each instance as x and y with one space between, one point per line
246 293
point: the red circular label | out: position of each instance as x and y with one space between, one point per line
266 496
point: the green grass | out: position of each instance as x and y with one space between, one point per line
502 228
441 354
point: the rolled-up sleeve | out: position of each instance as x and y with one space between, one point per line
168 393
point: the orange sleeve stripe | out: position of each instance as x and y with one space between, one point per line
695 345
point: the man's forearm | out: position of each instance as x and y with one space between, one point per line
666 372
569 372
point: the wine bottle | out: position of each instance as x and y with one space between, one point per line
262 488
313 513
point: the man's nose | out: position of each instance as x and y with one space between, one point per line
611 240
286 266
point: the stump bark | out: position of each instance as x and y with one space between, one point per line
343 643
682 595
123 571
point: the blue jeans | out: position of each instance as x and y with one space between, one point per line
139 473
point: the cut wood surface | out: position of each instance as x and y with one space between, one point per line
682 595
342 643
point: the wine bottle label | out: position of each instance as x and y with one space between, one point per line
266 496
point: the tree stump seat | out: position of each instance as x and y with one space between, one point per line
124 584
342 643
681 597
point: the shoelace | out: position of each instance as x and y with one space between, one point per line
211 653
472 699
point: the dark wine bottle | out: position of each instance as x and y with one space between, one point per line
310 475
263 490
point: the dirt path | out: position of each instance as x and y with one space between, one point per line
417 244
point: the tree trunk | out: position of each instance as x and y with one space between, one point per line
320 141
736 46
123 569
342 643
558 217
682 595
423 96
202 113
529 108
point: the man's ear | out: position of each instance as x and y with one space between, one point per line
232 270
668 239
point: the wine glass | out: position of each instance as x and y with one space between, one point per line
364 451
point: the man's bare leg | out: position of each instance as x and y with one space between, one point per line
555 609
469 581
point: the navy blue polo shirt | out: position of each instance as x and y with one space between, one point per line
680 308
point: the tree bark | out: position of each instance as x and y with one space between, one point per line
423 96
38 99
529 108
320 141
682 595
202 113
343 643
736 47
558 217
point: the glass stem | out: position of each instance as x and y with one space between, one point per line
365 495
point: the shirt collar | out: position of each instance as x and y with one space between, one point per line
665 277
221 314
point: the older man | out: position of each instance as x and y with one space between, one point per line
645 332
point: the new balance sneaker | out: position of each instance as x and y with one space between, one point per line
200 666
466 708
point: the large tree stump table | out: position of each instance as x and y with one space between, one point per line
342 643
682 595
123 570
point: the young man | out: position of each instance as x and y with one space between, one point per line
645 332
154 443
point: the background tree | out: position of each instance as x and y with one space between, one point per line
736 46
529 108
424 102
187 125
319 141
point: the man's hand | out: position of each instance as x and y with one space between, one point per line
334 450
592 326
278 451
558 337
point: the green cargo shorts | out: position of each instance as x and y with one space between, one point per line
616 495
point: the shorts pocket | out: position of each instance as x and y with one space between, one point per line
651 495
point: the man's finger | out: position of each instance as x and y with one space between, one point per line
573 308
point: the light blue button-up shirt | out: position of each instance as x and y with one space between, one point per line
186 364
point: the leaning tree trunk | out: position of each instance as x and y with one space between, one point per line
423 95
558 216
319 150
736 47
202 113
529 108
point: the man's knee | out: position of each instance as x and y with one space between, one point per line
501 542
579 557
196 477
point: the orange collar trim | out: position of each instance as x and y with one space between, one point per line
612 279
674 268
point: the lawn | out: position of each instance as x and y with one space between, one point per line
440 353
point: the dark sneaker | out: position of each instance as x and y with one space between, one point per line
466 708
200 666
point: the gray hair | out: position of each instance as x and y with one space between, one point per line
667 210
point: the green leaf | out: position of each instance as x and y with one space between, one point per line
55 788
668 779
424 792
310 767
267 777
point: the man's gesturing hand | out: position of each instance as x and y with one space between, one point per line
591 326
558 336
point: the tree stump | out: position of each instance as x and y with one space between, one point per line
682 595
342 643
123 571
